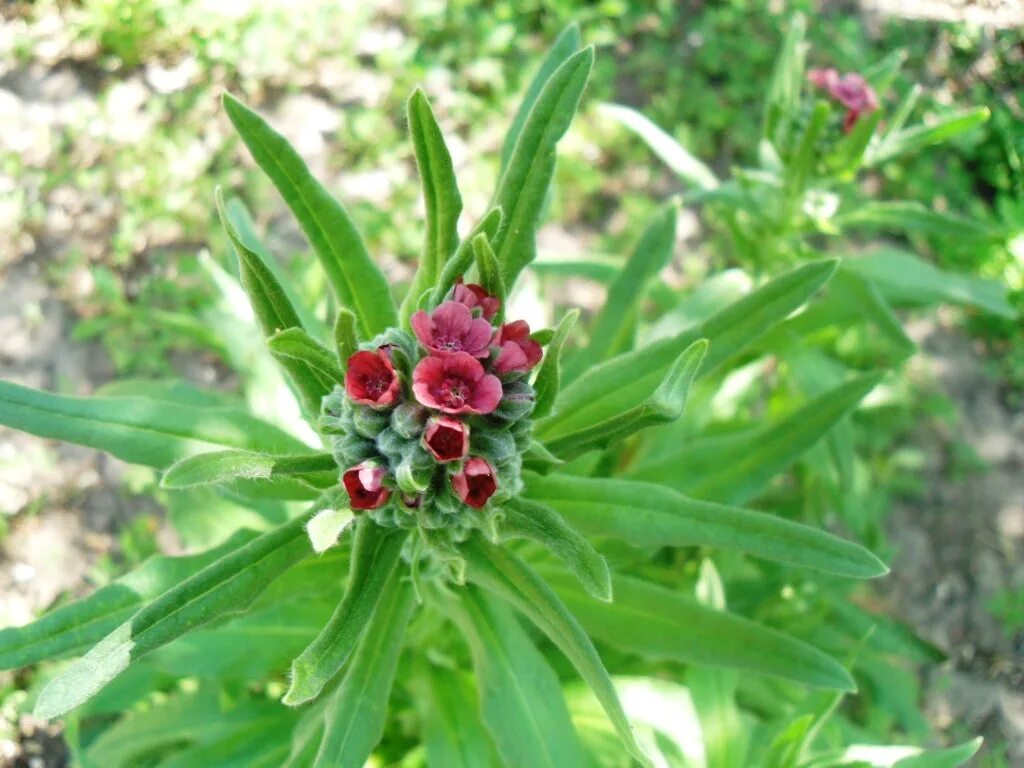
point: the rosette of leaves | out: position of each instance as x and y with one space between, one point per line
375 591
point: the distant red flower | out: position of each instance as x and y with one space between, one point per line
371 379
473 295
446 438
476 483
452 328
851 90
455 383
364 484
518 351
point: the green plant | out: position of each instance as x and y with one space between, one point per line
578 514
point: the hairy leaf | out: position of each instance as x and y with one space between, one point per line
548 381
318 470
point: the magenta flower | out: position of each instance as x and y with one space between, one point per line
370 379
851 90
455 383
452 328
476 483
365 486
519 353
446 438
473 295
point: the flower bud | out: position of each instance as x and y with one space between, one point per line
446 438
365 486
517 401
407 420
369 422
476 483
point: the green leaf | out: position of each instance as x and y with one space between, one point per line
76 626
660 623
565 45
137 429
548 381
523 186
542 524
462 259
679 160
319 470
445 700
734 468
375 554
520 696
783 98
626 416
356 280
953 757
651 254
346 342
295 344
228 585
629 378
358 710
644 514
911 216
502 573
440 195
802 163
489 272
909 140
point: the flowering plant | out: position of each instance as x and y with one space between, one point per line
497 512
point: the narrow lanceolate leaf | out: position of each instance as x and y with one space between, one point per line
653 621
489 272
78 625
462 259
548 381
501 572
452 734
440 196
912 139
569 437
735 468
138 429
356 280
294 344
346 342
912 216
318 470
521 698
651 254
358 709
679 160
953 757
631 377
228 585
523 186
375 554
565 45
783 99
544 525
645 514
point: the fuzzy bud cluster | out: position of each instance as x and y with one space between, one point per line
430 426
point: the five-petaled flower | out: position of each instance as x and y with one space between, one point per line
851 90
473 296
365 486
476 483
455 383
451 328
446 438
371 379
519 353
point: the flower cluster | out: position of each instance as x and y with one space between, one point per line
850 90
430 427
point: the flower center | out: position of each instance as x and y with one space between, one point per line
375 386
448 344
454 392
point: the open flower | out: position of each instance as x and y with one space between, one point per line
851 90
365 486
452 328
473 296
455 383
371 379
446 438
476 483
519 352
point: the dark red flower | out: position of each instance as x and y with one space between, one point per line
851 90
446 438
370 379
455 383
476 483
473 295
365 487
452 328
518 351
